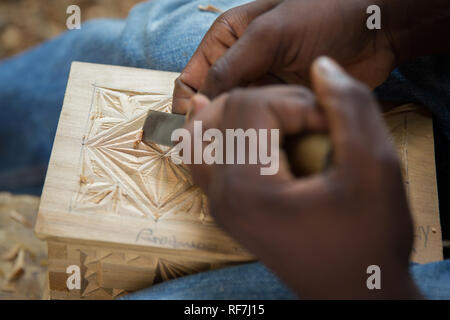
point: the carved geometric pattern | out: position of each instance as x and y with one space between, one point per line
90 271
168 270
107 273
122 176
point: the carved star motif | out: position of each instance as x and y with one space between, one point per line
119 175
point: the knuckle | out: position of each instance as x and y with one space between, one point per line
178 83
216 73
247 100
229 15
230 20
223 20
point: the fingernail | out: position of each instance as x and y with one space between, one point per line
197 102
329 69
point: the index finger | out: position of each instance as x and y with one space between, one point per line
224 32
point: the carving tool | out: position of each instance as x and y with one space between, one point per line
307 153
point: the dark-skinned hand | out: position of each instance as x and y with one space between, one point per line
273 41
318 233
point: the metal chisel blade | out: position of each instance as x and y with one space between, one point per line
158 127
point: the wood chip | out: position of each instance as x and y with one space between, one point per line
138 140
18 268
12 253
43 263
209 8
30 252
13 214
83 179
9 286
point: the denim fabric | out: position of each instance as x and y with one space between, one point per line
160 35
163 34
255 281
433 279
252 281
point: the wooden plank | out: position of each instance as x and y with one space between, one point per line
412 131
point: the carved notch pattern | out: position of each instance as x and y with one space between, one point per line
122 176
109 273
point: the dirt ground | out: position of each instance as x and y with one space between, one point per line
25 23
22 274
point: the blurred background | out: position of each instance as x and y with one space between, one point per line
25 23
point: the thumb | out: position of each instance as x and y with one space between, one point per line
356 125
198 102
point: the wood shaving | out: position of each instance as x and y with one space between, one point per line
83 179
9 286
30 252
12 253
18 268
16 216
43 263
96 115
209 8
138 140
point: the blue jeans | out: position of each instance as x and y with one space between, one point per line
163 35
253 281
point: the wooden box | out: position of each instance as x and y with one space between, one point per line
119 209
128 217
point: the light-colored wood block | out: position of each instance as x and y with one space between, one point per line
129 217
412 130
118 208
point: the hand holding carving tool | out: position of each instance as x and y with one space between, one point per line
307 153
